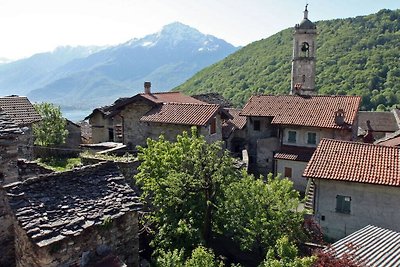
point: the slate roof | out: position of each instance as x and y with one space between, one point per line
392 139
312 111
379 121
213 98
170 97
54 206
19 109
371 245
355 162
182 113
8 127
295 153
237 122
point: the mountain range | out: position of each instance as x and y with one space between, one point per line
88 77
355 56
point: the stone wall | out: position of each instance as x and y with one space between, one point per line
7 253
27 169
8 160
119 237
25 148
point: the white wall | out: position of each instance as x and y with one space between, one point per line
370 204
298 167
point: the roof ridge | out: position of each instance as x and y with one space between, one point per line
357 143
189 103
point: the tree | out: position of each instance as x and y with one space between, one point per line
257 213
50 130
182 182
200 257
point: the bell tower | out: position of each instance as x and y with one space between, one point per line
303 60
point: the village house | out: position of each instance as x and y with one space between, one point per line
375 125
283 131
132 120
81 217
22 112
354 184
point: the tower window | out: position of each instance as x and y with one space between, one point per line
305 49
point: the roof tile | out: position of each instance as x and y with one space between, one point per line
19 109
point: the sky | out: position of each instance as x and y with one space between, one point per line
32 26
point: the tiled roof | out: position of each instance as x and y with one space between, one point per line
182 113
379 121
355 162
19 109
371 245
313 111
295 153
170 97
54 206
7 126
237 122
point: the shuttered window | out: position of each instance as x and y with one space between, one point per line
343 204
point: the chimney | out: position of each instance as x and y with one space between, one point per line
147 87
339 117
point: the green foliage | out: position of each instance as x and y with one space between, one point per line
125 158
356 56
285 254
106 223
50 130
257 213
183 181
59 164
201 257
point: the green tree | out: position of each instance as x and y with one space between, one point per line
183 181
285 254
257 213
50 130
200 257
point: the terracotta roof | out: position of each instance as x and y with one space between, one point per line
355 162
153 98
19 109
182 113
313 111
54 206
237 122
392 139
295 153
378 121
8 127
170 97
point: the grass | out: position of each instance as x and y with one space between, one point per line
125 158
59 164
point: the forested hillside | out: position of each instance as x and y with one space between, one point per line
355 56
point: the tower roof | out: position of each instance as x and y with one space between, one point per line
306 23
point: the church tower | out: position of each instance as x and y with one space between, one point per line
303 61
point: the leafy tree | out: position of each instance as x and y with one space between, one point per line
257 213
201 257
183 182
327 258
50 130
285 254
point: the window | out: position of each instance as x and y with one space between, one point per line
288 172
110 134
213 126
292 136
305 49
311 138
343 204
256 125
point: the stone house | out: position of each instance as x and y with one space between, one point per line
234 131
22 112
74 218
375 125
9 143
283 131
132 120
74 138
355 184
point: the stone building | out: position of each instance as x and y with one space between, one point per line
355 184
75 218
304 57
22 112
283 131
132 120
234 131
9 142
375 125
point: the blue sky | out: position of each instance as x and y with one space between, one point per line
29 27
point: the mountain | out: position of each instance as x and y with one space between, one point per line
21 76
166 58
355 56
